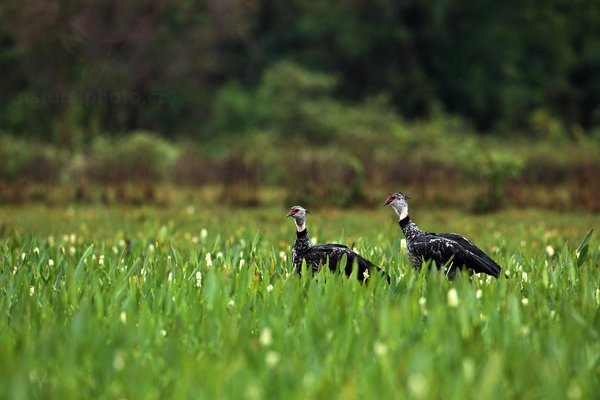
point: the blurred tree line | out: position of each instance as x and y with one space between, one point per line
213 68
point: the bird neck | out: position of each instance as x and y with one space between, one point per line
409 228
302 239
301 227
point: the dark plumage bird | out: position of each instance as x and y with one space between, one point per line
446 249
316 256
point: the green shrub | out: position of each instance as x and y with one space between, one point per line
291 100
495 169
15 155
324 176
545 125
139 157
234 110
24 162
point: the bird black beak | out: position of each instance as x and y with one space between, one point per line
291 213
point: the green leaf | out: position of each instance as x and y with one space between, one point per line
582 249
162 235
81 263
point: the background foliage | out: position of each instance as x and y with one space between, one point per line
335 101
74 69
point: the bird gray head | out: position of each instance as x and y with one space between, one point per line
299 215
398 202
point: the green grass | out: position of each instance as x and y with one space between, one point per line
81 317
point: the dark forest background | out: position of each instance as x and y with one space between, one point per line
240 95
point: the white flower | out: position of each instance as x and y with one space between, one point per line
525 330
478 293
231 303
253 392
380 349
51 263
598 295
72 238
36 251
423 305
151 248
119 361
283 255
31 290
270 288
195 239
123 317
23 255
272 358
524 276
549 251
163 333
198 279
525 301
170 277
219 254
208 260
313 241
266 337
468 369
72 250
242 262
366 274
203 234
417 385
403 243
101 260
453 298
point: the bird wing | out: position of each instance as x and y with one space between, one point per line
464 242
491 267
320 254
331 246
334 253
443 249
